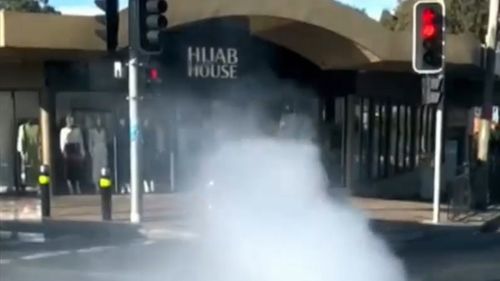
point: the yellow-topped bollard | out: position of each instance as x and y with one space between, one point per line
105 185
44 185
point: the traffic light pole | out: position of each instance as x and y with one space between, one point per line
135 176
438 149
135 129
146 22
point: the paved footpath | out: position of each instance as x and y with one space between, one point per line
167 214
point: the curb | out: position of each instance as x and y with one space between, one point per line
490 226
56 228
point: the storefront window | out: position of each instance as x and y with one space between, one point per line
376 140
402 138
7 155
410 138
20 144
393 139
93 141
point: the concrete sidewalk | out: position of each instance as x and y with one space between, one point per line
418 212
167 215
157 207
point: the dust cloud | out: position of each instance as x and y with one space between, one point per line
268 215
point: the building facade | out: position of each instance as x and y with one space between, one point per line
345 71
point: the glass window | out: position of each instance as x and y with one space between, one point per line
393 139
409 136
376 140
402 138
7 158
384 140
27 109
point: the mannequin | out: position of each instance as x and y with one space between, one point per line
28 146
98 150
123 147
73 151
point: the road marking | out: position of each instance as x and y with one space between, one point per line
4 261
94 249
32 237
29 237
148 242
165 233
45 255
6 234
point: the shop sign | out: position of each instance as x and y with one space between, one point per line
212 62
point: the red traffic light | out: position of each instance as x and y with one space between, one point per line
428 16
428 36
429 31
153 74
429 28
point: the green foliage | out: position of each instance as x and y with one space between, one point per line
33 6
462 16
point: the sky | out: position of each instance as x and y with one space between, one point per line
87 7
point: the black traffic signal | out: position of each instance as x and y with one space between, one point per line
110 21
428 37
151 23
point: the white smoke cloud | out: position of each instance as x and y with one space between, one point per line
268 215
271 219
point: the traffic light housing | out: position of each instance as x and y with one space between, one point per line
109 23
151 23
428 37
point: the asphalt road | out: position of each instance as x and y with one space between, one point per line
456 257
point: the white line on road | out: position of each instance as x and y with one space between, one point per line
45 255
6 234
169 233
32 237
28 237
148 242
94 249
4 261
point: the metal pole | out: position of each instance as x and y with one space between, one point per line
434 89
437 161
135 132
438 145
135 177
489 81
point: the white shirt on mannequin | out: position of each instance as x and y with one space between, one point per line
71 135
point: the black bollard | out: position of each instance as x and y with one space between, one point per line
105 185
44 185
